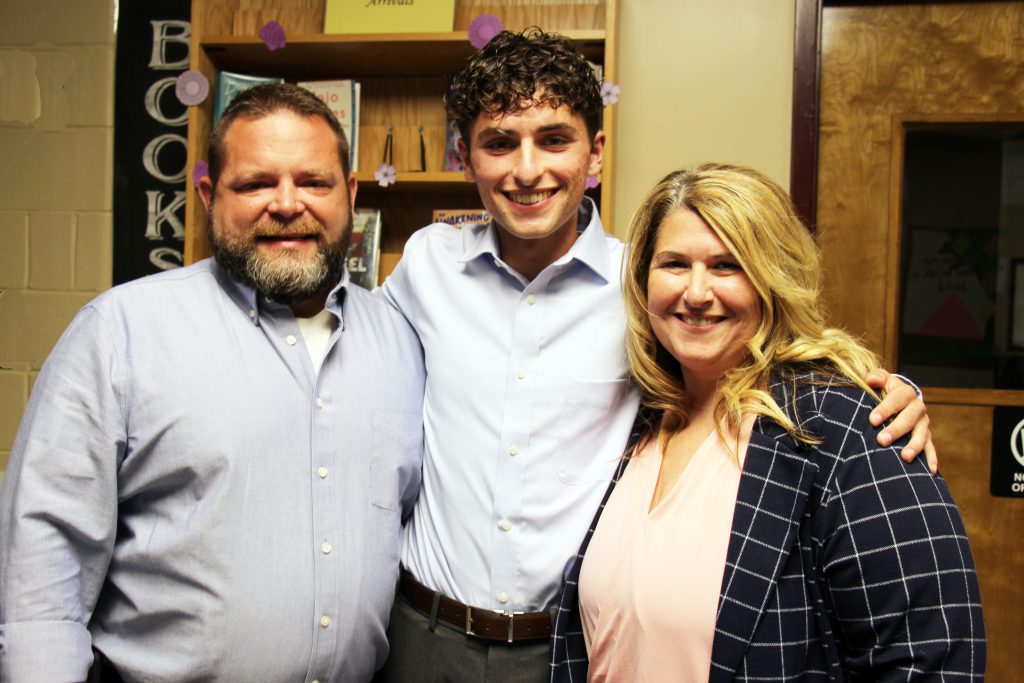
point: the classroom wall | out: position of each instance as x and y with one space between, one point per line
701 80
56 148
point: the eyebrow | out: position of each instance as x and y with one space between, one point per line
673 253
543 129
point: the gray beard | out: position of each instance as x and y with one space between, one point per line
285 277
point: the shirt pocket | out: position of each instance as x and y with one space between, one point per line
583 453
396 458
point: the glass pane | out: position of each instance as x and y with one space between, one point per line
962 274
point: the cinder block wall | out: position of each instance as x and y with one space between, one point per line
56 173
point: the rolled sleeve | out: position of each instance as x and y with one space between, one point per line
44 651
58 508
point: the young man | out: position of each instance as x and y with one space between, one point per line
527 406
192 495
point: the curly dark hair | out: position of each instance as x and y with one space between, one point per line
516 71
264 100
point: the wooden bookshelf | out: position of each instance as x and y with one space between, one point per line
403 78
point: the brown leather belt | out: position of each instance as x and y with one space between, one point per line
488 624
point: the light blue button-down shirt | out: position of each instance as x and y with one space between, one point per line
249 509
527 408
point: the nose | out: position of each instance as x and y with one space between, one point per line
528 165
699 292
286 202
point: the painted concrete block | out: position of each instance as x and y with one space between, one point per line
51 242
13 396
13 249
70 170
33 322
24 22
93 252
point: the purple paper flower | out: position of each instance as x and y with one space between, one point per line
272 34
385 175
483 28
201 169
610 93
191 88
592 182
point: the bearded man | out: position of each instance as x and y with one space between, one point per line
211 475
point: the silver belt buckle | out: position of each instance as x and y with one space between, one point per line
511 617
469 621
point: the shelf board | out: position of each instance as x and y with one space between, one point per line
416 181
361 55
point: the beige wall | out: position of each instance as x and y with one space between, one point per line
702 80
56 123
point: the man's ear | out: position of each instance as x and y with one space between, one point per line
596 154
206 191
353 185
467 167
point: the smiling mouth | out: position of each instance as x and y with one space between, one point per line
699 322
287 237
530 197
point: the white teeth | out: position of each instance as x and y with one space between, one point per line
697 322
531 198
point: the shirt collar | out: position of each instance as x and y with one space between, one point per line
589 248
252 304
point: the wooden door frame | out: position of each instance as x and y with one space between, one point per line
803 168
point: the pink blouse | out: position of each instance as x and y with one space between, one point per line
650 581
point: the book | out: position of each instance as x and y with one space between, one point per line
389 16
230 84
342 97
363 259
460 217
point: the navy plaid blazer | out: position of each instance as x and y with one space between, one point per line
845 562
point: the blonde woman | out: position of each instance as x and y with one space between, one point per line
756 532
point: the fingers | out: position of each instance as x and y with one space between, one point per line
899 399
920 439
877 378
932 456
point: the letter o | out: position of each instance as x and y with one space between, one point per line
153 98
150 157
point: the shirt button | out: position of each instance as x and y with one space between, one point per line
505 525
319 403
325 621
521 374
326 547
322 472
513 450
531 299
503 597
290 339
252 312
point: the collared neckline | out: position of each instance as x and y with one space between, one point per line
590 249
252 304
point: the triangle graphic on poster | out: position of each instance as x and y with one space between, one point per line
952 318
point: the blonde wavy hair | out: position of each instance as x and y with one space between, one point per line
757 222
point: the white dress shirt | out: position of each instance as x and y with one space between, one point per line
187 495
526 412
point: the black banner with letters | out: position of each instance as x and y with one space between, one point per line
150 127
1007 452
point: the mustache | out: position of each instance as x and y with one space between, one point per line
272 228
